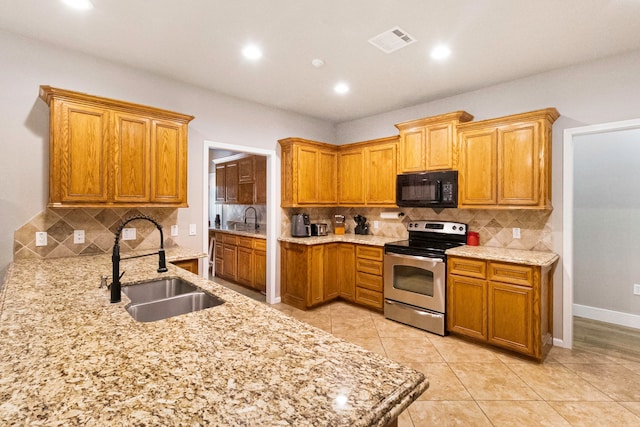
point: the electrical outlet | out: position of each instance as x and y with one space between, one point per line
41 238
636 289
192 229
376 225
516 233
128 234
78 237
174 230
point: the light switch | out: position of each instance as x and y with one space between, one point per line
192 229
174 230
516 233
128 234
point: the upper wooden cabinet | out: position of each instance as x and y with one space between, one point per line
430 143
506 162
309 173
242 181
103 151
367 173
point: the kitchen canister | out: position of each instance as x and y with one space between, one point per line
473 238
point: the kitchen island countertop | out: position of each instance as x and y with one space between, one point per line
69 357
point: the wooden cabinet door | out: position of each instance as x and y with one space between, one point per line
261 180
467 306
246 193
331 271
352 180
188 264
519 165
413 150
79 161
231 182
315 292
477 177
294 277
439 147
169 162
307 171
245 266
510 316
230 261
260 270
132 162
380 175
246 169
221 189
327 177
346 269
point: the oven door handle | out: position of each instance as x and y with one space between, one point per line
420 312
413 257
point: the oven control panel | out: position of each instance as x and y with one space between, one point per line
443 227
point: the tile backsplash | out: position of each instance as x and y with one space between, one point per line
494 226
99 226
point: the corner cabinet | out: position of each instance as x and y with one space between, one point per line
430 143
504 304
108 152
506 162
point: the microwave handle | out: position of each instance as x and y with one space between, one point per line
438 191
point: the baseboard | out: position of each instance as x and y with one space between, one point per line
557 342
609 316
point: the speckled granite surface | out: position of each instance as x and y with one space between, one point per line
69 357
347 238
516 256
258 234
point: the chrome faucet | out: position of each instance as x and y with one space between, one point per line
115 257
255 217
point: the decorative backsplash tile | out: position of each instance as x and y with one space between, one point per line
99 227
494 226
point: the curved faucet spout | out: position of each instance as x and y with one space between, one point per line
255 216
115 256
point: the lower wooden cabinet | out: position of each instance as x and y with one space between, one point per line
241 259
188 264
369 285
503 304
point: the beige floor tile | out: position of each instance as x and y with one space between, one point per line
357 327
455 350
404 420
341 309
372 344
522 414
634 366
565 355
616 381
390 328
596 414
443 383
492 381
446 414
555 382
632 406
410 350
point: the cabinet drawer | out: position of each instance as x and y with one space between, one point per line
230 239
468 267
511 273
369 281
369 252
368 297
368 266
260 244
245 242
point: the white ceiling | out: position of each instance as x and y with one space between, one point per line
199 42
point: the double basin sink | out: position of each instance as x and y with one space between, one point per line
168 297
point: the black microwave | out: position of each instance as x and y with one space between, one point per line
427 189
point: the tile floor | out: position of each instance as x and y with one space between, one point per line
475 385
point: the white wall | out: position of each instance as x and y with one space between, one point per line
595 92
24 129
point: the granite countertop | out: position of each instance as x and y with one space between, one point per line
360 239
516 256
258 234
177 253
69 357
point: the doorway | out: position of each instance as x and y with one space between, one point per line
576 197
272 214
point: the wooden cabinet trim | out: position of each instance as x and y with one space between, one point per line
370 252
511 273
468 267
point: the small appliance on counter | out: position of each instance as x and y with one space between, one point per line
319 229
362 227
338 224
300 225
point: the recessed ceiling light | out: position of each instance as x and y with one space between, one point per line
252 52
440 52
79 4
341 88
317 63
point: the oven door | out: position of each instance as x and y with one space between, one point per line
415 280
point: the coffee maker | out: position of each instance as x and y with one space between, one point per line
300 225
362 227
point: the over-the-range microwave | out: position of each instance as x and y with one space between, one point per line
427 189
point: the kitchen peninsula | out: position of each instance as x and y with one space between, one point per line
68 356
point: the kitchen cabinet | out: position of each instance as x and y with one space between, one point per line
309 173
367 173
504 304
430 143
339 270
108 152
187 264
242 181
241 259
369 276
245 261
506 162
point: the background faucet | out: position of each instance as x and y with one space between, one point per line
255 217
115 257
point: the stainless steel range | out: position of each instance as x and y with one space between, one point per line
415 274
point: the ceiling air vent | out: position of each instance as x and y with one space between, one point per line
392 40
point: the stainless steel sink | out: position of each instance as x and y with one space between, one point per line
163 298
154 290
